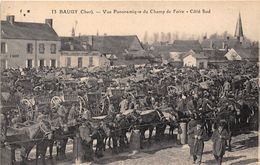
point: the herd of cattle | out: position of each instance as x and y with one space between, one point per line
45 107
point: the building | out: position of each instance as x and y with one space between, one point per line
127 49
192 59
216 57
26 44
239 30
186 45
174 53
223 49
232 55
75 53
241 54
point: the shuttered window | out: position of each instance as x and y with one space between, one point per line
53 48
29 48
41 48
3 48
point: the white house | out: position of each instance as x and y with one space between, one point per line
191 59
232 55
27 45
75 53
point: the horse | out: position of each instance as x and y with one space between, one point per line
148 121
98 134
61 136
111 133
173 123
27 137
247 111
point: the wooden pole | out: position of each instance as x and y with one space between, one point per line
183 135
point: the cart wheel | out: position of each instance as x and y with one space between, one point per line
37 88
55 101
81 104
171 90
104 105
26 102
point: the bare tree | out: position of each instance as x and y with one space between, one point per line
162 36
169 37
156 37
145 40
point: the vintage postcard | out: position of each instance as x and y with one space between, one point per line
129 82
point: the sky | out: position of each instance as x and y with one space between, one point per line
222 17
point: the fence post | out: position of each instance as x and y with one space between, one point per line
77 149
37 154
7 155
183 135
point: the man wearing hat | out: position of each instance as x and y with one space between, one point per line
199 136
227 87
192 104
149 100
182 105
86 152
219 137
73 115
191 125
123 104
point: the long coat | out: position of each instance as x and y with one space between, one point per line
198 143
191 124
219 142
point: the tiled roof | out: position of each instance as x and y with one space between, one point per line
186 45
195 55
114 44
28 31
215 55
218 43
246 53
73 44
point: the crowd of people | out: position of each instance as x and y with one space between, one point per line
68 97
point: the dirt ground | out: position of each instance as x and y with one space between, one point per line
168 152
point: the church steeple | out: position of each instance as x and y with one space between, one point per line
239 29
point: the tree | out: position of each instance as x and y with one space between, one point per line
162 36
145 40
169 37
156 37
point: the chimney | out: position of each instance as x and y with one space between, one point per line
90 40
48 22
10 19
211 44
71 46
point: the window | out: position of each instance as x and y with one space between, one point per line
3 64
29 48
3 48
41 48
53 63
80 62
90 61
201 65
41 63
29 63
68 61
53 48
